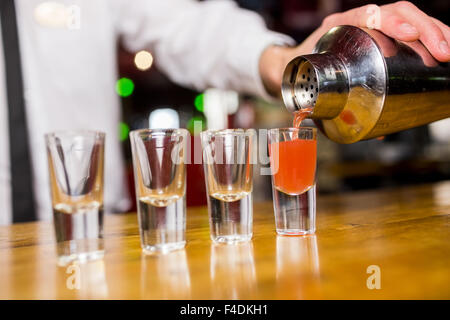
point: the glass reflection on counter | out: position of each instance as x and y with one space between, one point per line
84 280
165 276
233 273
297 265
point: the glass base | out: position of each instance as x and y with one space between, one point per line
294 232
162 229
295 214
80 257
232 239
231 221
163 248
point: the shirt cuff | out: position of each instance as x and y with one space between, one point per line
255 47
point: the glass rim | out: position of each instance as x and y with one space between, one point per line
53 134
148 131
234 132
291 129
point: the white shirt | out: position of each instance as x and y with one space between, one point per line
70 74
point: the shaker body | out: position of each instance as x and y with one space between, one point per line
367 85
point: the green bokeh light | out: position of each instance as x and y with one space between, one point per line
124 130
198 102
124 87
191 122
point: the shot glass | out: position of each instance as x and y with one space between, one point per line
293 166
228 163
160 181
76 161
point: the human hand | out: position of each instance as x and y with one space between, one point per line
400 20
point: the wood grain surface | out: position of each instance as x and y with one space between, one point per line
404 231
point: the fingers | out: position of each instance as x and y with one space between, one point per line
431 34
395 26
380 18
444 28
402 21
420 49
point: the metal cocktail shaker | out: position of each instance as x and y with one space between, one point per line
361 84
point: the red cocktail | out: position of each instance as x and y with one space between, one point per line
293 153
296 163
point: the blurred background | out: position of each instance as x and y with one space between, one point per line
150 99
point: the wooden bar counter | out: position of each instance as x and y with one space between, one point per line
403 231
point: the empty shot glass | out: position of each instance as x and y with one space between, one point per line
76 161
293 166
160 181
228 164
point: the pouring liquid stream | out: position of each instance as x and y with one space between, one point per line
301 115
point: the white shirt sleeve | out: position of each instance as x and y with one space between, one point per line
199 44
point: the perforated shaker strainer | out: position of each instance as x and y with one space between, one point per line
306 87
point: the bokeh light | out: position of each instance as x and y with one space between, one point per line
124 130
164 118
124 87
198 102
51 14
143 60
195 121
